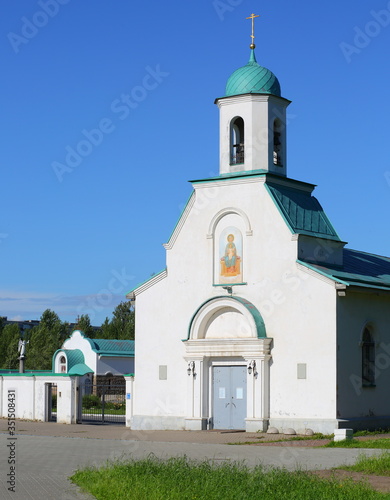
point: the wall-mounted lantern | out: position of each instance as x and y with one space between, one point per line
191 368
252 367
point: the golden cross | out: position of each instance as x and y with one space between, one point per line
252 45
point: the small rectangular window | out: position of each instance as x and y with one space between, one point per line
162 372
301 370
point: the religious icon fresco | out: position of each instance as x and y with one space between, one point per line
230 252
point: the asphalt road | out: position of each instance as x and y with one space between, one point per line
46 454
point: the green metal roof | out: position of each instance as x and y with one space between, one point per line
180 216
302 212
259 322
110 347
270 178
252 79
73 357
358 269
146 281
80 369
13 371
35 374
260 326
231 175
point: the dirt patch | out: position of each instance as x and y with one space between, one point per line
288 441
379 483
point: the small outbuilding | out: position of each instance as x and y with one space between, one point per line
103 358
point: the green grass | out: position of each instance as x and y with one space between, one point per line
317 435
371 433
181 479
379 465
382 443
107 411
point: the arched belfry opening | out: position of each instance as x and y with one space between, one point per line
277 143
237 142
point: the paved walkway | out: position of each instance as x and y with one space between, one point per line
48 453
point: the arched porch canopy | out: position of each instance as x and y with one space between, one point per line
217 306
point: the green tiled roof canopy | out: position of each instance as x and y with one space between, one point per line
359 269
75 361
302 212
113 347
252 79
73 356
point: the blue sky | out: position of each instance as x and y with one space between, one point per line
77 236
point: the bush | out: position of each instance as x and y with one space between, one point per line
91 401
115 406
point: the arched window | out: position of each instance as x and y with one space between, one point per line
277 149
62 364
237 141
368 358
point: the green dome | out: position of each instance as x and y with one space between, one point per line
252 79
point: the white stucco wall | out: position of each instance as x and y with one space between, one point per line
78 341
115 365
298 309
303 328
30 396
357 310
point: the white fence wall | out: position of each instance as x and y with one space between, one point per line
25 396
129 399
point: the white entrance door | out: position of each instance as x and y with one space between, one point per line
229 399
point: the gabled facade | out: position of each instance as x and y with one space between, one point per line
261 317
108 358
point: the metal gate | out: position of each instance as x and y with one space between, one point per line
51 403
229 400
103 403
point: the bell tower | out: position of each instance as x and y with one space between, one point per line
253 120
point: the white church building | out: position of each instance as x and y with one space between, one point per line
262 317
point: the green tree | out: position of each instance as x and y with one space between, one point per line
45 339
84 324
122 324
105 330
9 343
123 321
